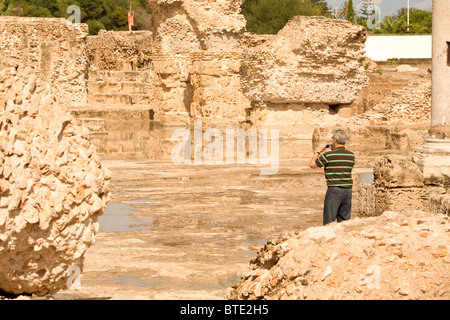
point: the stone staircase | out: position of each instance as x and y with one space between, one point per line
130 90
118 112
116 95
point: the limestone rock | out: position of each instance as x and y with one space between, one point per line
187 25
396 171
406 68
52 186
311 60
56 52
440 203
393 256
410 104
116 50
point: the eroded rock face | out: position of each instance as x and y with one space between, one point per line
186 25
56 52
196 59
393 256
393 171
52 186
311 60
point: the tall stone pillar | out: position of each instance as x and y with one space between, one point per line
434 156
440 100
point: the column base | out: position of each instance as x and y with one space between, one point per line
435 146
434 160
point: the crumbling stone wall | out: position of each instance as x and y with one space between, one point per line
197 59
200 62
400 186
56 52
120 50
188 25
216 86
311 61
121 70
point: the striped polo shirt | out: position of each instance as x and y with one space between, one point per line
338 166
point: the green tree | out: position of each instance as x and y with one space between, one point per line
98 14
350 11
120 16
392 27
324 7
364 12
270 16
95 26
420 21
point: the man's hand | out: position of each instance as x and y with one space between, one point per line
319 150
322 147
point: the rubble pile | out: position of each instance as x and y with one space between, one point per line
411 104
392 256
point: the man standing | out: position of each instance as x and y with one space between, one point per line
338 164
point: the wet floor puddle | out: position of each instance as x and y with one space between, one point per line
119 217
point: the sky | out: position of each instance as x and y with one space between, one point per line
388 7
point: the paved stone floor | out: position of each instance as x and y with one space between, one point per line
189 231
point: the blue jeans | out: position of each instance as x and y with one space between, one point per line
337 205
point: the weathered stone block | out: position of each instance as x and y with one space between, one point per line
366 200
55 52
373 200
439 204
311 60
435 167
120 50
400 199
392 171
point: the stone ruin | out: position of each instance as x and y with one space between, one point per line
312 62
403 183
52 185
198 62
56 53
392 256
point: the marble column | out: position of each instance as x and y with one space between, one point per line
439 134
434 156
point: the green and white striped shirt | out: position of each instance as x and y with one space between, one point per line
338 166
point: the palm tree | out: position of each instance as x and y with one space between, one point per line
392 27
341 13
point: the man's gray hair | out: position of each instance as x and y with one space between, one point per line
341 136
